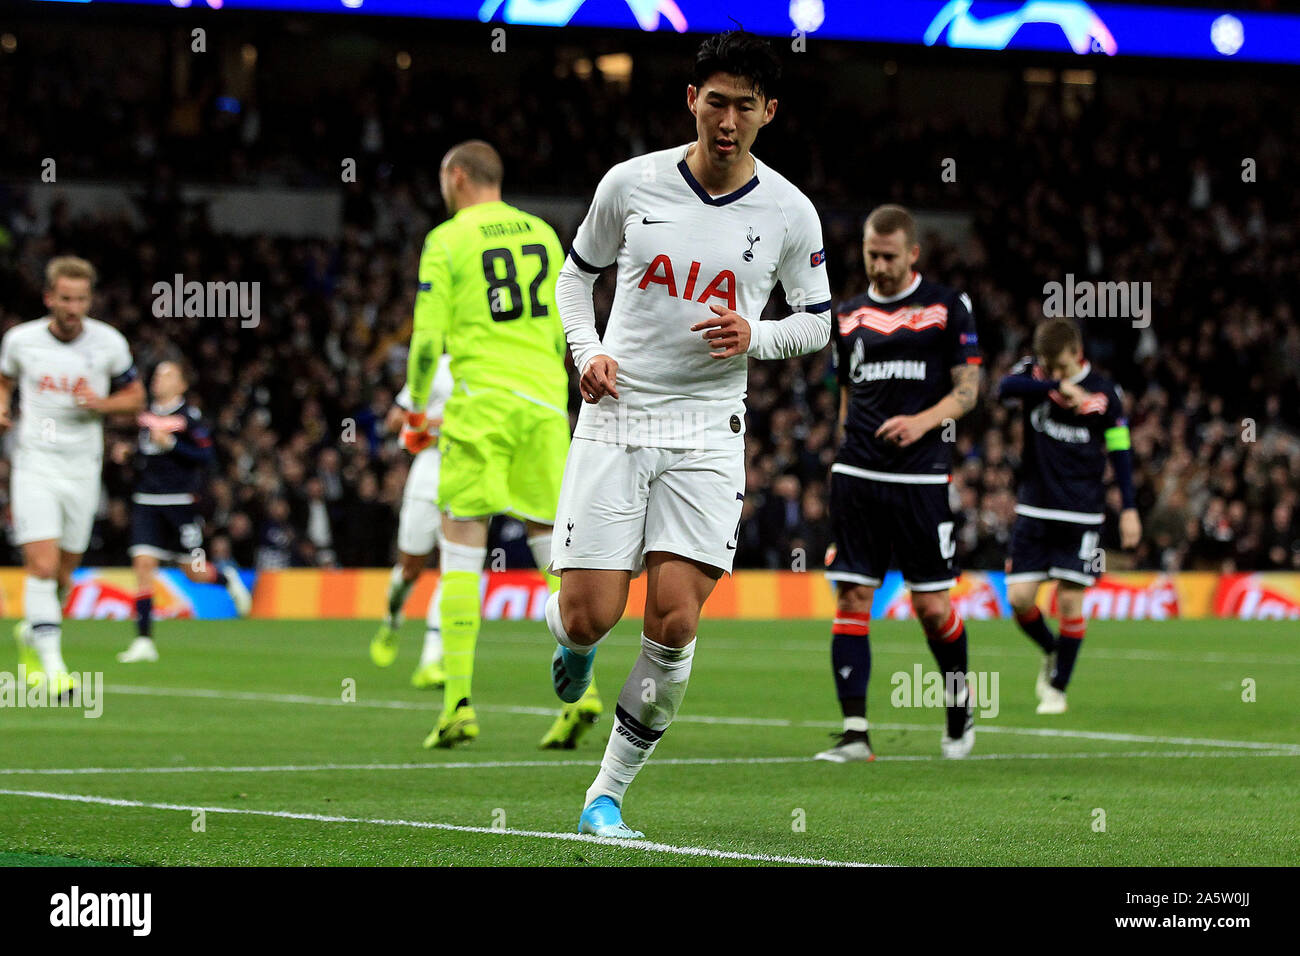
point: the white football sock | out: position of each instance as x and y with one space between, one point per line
540 546
45 621
561 635
432 653
646 706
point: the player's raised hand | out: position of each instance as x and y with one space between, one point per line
902 430
1130 529
728 331
86 398
416 436
599 379
1073 393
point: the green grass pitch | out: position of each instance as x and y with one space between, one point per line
238 747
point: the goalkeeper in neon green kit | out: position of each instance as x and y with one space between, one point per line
487 298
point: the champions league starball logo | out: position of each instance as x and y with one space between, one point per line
557 13
1083 29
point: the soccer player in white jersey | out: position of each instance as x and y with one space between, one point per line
418 528
71 371
655 476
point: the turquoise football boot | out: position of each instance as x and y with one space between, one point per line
571 673
604 818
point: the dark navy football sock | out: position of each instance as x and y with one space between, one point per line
1034 624
851 660
144 614
1067 650
948 645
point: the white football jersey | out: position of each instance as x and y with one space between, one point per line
439 391
53 434
680 250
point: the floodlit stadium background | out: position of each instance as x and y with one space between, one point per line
226 164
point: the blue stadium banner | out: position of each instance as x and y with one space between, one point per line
1062 26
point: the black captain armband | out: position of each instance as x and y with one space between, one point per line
123 380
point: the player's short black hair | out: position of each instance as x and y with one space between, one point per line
739 54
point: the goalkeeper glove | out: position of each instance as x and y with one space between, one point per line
416 436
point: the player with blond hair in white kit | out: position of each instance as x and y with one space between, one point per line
655 477
71 371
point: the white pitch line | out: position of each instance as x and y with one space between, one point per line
262 697
1128 738
1115 737
638 845
682 762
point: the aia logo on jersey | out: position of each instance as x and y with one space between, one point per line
661 272
61 384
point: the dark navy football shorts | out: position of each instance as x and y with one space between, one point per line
166 532
1063 550
873 521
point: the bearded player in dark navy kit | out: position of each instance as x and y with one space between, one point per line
174 457
909 367
1074 419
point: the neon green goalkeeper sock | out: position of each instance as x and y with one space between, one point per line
460 624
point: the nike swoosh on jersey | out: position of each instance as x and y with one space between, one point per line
653 222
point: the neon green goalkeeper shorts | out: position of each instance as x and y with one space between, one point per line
501 454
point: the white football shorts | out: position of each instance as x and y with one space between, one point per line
58 507
619 501
418 523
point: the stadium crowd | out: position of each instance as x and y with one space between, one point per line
1154 191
